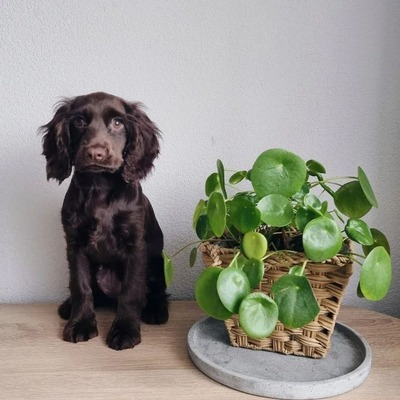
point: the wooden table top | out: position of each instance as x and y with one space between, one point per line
36 364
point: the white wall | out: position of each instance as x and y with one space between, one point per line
222 79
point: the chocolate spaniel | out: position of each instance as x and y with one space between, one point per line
114 242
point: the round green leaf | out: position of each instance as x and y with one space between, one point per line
324 209
203 229
254 269
193 256
278 171
238 262
314 167
376 274
212 184
297 270
366 187
312 201
299 196
359 292
199 210
221 176
295 299
276 210
258 315
351 200
206 294
168 269
237 177
216 212
359 231
244 215
254 245
304 216
322 239
248 175
250 196
232 287
379 240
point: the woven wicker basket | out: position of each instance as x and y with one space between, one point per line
328 280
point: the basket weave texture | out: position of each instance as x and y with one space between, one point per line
328 281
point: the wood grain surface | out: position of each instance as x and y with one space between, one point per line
36 364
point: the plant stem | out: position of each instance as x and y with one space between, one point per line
303 267
326 187
323 182
234 258
233 238
185 247
338 215
356 255
332 180
357 261
199 242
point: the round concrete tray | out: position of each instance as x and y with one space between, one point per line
277 375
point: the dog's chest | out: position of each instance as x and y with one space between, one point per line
104 222
101 235
105 238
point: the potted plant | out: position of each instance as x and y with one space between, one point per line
279 253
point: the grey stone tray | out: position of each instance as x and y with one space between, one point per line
277 375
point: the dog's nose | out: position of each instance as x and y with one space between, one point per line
96 154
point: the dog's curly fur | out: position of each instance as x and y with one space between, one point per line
114 242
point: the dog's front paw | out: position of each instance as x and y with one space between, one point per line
123 335
80 331
64 310
155 312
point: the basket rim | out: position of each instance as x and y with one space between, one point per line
214 250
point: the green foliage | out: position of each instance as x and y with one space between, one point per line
200 210
254 245
322 239
276 210
207 296
258 315
295 300
376 274
254 269
359 231
232 287
278 171
168 269
212 184
314 167
366 187
283 206
351 200
237 177
379 239
244 214
216 211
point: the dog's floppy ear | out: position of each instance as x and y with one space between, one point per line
56 144
142 145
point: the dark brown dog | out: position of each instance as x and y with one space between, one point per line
114 243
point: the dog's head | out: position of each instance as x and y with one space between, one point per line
99 132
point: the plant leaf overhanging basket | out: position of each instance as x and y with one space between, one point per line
328 281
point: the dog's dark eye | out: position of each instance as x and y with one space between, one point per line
117 123
79 122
